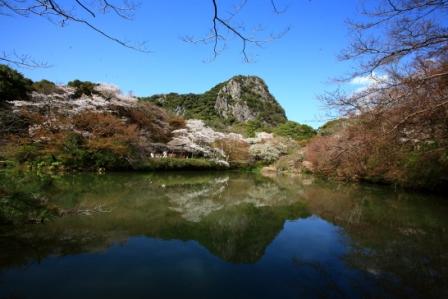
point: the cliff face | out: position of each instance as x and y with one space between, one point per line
240 99
248 98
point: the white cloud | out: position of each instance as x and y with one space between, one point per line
367 81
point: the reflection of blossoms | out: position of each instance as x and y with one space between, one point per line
195 205
208 198
267 194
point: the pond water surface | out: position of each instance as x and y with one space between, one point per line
226 235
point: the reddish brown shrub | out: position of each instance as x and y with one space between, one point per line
106 131
237 150
177 122
150 119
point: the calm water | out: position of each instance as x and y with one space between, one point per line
226 235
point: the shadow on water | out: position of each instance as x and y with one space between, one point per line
223 235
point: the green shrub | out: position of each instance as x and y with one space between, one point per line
250 127
83 88
77 155
12 123
26 153
45 87
13 85
294 130
425 169
109 160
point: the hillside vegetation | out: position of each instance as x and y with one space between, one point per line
238 100
91 126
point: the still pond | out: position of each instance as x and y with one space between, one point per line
224 235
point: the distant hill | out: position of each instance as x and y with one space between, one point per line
237 100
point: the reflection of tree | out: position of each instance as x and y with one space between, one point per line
227 214
241 233
417 262
397 237
195 204
200 200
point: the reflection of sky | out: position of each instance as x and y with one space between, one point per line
323 240
311 253
305 259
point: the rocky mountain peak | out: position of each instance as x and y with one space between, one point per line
242 97
239 99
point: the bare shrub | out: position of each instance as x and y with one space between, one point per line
106 131
149 118
235 149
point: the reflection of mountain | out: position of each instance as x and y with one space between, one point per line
235 216
395 235
398 240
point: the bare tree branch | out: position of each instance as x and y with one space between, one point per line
84 12
396 30
21 61
56 12
219 38
276 8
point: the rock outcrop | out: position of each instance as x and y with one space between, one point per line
247 98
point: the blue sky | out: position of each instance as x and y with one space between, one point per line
297 68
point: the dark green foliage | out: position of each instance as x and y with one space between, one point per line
12 123
22 200
198 106
83 87
20 207
76 155
426 168
13 85
295 130
45 87
250 127
26 153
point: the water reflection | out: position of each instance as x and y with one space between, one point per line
227 235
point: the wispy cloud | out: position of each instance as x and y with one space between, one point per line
364 82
